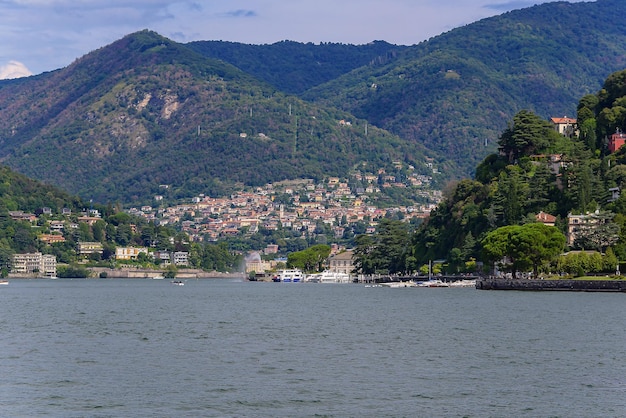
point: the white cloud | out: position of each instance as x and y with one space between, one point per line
14 69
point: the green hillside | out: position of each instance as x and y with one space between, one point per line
457 91
294 67
538 170
144 112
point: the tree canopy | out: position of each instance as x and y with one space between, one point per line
520 247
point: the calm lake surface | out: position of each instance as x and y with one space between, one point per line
221 348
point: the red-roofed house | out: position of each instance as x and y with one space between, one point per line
616 141
545 218
565 126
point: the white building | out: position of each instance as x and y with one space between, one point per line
35 263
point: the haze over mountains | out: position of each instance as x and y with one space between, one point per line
146 111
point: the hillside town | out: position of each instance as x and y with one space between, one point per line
296 205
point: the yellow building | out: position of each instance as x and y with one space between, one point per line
129 253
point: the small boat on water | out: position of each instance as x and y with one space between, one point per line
178 282
158 277
4 282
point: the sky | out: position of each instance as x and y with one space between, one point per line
44 35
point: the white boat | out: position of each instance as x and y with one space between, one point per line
158 277
289 276
329 277
178 282
4 282
409 283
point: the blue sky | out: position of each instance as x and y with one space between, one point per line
43 35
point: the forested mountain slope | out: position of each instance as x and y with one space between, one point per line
146 111
539 170
456 92
295 67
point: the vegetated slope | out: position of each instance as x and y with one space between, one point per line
146 111
457 91
18 192
295 67
512 187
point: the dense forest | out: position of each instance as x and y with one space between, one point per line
536 170
294 67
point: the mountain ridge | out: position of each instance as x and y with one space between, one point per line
146 111
160 114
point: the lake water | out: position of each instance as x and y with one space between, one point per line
221 348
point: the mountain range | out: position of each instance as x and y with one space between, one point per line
145 112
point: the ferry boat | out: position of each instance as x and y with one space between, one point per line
289 276
328 276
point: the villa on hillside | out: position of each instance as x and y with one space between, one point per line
565 126
616 141
578 223
545 218
129 253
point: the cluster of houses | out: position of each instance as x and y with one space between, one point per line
333 202
45 265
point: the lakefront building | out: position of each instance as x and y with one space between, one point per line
43 265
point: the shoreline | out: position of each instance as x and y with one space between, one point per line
129 273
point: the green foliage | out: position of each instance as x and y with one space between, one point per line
132 126
72 271
295 67
310 260
457 90
523 246
385 252
147 99
580 263
537 171
528 134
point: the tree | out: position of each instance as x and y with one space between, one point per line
311 259
525 246
384 252
525 136
363 262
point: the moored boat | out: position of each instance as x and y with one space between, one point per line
289 276
394 285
